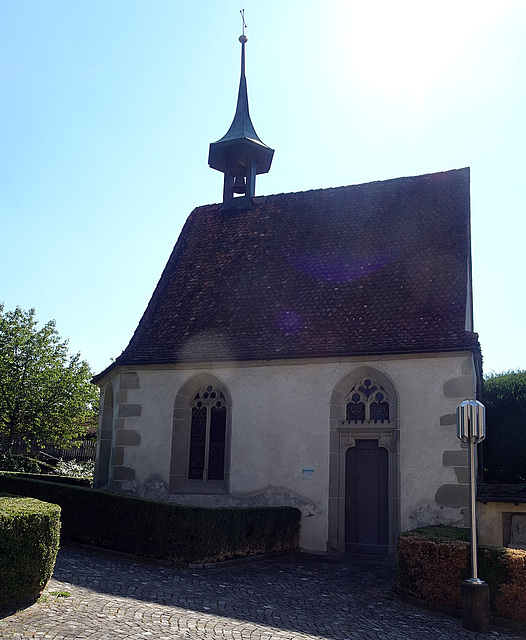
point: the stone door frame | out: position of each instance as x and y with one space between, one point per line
343 435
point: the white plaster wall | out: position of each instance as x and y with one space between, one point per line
279 428
156 396
423 440
280 425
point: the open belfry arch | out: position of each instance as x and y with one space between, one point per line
305 349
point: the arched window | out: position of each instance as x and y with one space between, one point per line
355 409
103 471
367 401
207 435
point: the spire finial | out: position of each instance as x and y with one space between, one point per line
240 154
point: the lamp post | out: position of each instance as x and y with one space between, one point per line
471 429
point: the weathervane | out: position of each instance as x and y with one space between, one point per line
240 155
242 12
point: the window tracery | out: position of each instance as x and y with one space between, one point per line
208 435
367 401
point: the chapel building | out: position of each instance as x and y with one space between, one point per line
305 349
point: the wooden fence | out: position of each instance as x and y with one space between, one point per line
84 449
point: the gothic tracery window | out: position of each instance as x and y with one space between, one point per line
367 401
208 435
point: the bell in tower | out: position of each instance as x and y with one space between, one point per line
240 185
240 154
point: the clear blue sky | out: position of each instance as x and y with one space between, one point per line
108 107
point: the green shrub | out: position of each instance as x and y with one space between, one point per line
434 561
14 462
504 448
161 529
29 539
48 477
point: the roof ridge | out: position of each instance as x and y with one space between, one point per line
350 186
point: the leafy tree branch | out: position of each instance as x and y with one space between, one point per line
44 392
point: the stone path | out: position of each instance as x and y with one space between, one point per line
290 597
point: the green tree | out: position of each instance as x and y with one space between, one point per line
44 392
504 449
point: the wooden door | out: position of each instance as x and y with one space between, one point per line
367 498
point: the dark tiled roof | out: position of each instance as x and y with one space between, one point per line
501 493
366 269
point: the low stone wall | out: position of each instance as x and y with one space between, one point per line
496 506
494 522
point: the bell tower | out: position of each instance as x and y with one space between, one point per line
240 154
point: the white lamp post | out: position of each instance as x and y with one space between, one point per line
471 429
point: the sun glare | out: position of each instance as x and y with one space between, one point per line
402 47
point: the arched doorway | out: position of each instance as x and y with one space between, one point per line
364 505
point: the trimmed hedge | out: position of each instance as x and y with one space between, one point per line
29 540
510 602
434 561
49 477
163 530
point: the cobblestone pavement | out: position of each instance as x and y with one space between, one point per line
289 597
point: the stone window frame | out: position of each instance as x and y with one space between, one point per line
343 435
181 430
103 473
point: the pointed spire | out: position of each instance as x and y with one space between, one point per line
240 154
